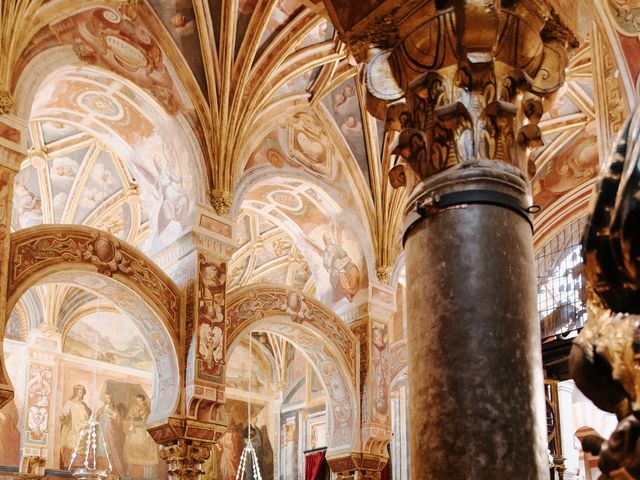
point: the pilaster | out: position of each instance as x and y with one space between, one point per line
200 269
13 148
370 323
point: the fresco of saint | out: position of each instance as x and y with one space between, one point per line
139 447
344 275
73 418
230 446
112 436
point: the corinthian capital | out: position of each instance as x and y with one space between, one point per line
185 459
461 80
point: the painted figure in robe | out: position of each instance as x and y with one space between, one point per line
73 418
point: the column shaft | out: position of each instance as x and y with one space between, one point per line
475 366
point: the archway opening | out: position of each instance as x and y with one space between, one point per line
79 344
288 408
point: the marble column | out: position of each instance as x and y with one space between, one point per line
13 147
475 368
461 86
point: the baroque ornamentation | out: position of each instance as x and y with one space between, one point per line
185 459
36 248
6 102
211 319
605 359
260 301
384 274
221 202
469 96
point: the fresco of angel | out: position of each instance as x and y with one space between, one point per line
167 184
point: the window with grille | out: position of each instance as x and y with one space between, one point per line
561 282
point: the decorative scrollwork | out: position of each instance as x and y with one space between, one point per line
260 301
57 248
6 102
185 459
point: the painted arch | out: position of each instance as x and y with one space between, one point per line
109 268
323 338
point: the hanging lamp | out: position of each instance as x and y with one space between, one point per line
90 436
249 451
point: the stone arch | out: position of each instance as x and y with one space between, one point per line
320 335
109 268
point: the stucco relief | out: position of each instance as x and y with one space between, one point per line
34 249
380 365
38 403
260 301
119 40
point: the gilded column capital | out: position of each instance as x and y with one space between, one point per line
221 201
357 466
383 273
462 80
6 102
185 459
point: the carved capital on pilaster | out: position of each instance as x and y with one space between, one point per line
185 459
383 272
221 201
6 102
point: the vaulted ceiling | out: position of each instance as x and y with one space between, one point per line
267 97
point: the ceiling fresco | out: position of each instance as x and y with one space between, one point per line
624 17
120 40
267 253
569 156
78 181
129 158
278 88
108 337
179 19
323 232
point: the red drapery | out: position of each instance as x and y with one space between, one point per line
313 464
386 472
